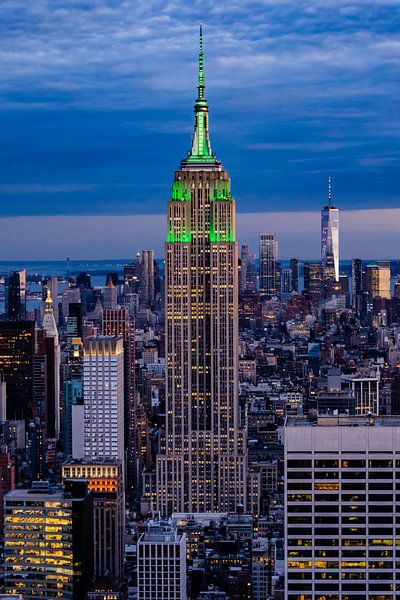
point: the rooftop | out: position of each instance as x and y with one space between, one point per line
345 421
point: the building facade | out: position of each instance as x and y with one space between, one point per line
106 482
342 520
161 564
15 296
48 538
268 265
201 278
103 397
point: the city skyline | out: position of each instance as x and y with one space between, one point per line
84 127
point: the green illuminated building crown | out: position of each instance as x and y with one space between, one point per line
200 152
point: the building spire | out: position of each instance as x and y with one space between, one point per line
201 147
329 192
201 65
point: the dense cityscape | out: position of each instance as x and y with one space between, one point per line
208 425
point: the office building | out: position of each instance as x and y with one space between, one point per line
268 265
7 483
103 396
51 285
15 296
313 282
147 277
110 295
48 541
251 275
294 268
341 512
286 282
377 279
356 278
52 351
201 278
330 241
161 563
69 295
17 347
106 482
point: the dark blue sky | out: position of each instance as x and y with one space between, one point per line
96 102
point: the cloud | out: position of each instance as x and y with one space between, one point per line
96 100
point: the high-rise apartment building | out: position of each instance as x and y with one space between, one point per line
17 348
161 563
48 541
203 468
106 482
342 517
15 296
268 265
103 396
119 322
330 241
377 279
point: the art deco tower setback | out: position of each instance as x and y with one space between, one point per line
203 468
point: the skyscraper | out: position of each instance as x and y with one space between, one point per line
103 394
119 322
17 348
110 294
203 468
313 281
330 241
48 537
106 481
356 279
377 279
341 516
147 277
268 265
52 350
294 267
15 296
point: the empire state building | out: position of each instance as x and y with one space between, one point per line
203 466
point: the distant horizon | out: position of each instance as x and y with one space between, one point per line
362 233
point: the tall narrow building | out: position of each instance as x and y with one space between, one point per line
268 265
15 296
203 468
330 241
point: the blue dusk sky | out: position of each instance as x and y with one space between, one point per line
96 111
